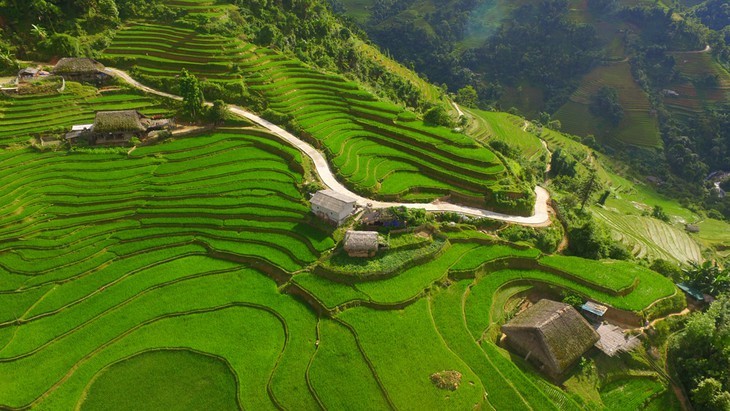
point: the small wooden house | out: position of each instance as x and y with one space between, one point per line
361 243
332 206
81 70
551 334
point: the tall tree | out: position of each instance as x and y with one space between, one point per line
191 93
589 187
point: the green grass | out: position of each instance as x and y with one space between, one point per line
630 394
340 374
488 126
412 327
164 379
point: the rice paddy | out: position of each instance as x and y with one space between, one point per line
183 274
27 116
372 145
638 127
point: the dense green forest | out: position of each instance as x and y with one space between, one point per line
305 28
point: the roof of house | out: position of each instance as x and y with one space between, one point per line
361 241
116 121
594 308
29 70
77 65
554 333
331 200
81 127
691 291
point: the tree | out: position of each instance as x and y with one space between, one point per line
659 213
218 112
589 187
191 93
562 163
667 269
709 396
467 96
708 277
437 116
700 355
606 104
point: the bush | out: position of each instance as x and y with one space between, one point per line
667 269
659 213
59 44
437 116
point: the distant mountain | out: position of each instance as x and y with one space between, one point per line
626 75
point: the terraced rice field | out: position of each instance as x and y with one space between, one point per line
171 260
651 238
104 258
696 67
373 150
23 117
487 126
638 127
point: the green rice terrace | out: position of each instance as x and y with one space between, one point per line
376 147
76 104
200 254
189 271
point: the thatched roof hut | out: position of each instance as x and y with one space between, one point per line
77 65
552 334
118 121
361 243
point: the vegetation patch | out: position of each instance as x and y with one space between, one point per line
164 379
446 380
404 250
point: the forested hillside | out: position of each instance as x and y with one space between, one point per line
647 81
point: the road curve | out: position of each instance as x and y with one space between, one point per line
540 216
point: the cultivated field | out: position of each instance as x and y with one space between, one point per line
171 259
695 94
638 127
29 116
378 149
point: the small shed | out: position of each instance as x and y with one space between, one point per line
117 126
691 291
81 69
594 310
332 206
380 217
551 334
361 243
27 73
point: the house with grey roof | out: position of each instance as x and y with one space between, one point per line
332 206
550 334
361 243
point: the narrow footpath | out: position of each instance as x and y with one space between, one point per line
540 216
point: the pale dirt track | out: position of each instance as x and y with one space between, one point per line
540 216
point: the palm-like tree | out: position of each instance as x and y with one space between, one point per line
707 277
38 31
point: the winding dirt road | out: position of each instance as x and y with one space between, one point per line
540 216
